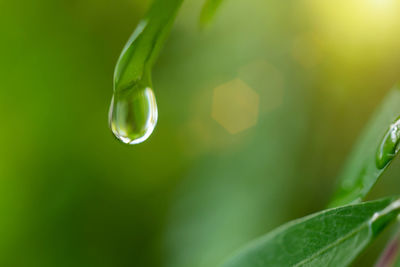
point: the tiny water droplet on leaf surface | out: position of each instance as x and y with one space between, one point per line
389 146
133 115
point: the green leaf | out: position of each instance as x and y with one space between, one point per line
208 12
329 238
138 56
362 170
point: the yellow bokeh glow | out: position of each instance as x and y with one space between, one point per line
357 28
235 106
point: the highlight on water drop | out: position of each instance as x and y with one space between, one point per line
133 111
133 115
389 146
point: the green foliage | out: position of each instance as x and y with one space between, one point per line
362 171
335 237
329 238
72 196
332 237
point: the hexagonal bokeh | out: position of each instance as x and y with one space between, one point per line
267 80
235 106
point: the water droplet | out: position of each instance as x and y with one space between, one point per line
389 146
133 111
133 114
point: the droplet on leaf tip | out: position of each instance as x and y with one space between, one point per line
133 115
389 146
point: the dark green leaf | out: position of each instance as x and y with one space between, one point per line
329 238
362 170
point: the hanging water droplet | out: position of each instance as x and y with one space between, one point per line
389 146
133 114
133 111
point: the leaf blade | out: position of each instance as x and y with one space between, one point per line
361 172
333 237
141 50
208 11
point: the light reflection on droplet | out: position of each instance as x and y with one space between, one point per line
389 146
133 115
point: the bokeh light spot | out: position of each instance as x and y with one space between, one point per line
267 80
235 106
357 30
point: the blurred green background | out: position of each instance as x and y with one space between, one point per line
72 195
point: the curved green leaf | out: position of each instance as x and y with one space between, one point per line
208 12
329 238
138 56
362 171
